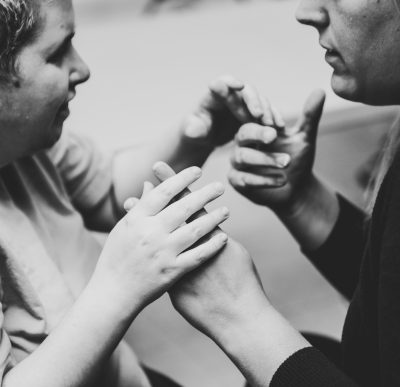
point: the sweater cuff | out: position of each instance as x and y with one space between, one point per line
309 368
351 222
339 258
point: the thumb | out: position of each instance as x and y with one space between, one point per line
311 115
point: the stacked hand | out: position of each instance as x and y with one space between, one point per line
150 248
221 291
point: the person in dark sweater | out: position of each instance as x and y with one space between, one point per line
358 252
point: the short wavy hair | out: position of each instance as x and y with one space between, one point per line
19 21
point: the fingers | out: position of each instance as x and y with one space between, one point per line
130 203
159 197
147 187
189 234
163 171
231 97
261 109
278 119
242 179
254 103
227 81
254 134
248 158
179 212
312 111
193 258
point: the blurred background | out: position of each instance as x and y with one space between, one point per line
151 61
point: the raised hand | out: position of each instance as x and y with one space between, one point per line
272 165
151 247
228 104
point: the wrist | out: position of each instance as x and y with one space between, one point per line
304 196
189 151
313 215
241 317
198 144
260 344
117 303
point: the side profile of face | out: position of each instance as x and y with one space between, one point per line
362 42
34 105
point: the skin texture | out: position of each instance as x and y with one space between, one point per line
35 104
365 35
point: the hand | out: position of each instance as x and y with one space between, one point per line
224 291
150 249
228 104
272 166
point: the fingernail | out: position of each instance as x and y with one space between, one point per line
223 237
196 171
279 122
129 203
158 165
280 180
268 136
257 112
282 160
267 120
225 212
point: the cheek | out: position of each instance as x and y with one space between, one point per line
45 84
51 90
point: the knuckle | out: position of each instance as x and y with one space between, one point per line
147 238
197 231
168 271
201 255
165 191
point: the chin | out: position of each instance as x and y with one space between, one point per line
54 135
376 95
346 87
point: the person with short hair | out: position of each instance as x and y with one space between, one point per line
66 302
359 252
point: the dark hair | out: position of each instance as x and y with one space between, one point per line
19 20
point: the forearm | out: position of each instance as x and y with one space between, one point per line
133 166
259 343
312 219
73 354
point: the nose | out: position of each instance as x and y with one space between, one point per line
313 13
80 72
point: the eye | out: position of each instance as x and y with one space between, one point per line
58 55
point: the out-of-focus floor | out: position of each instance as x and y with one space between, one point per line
147 72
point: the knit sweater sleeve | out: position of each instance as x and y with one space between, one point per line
339 258
309 368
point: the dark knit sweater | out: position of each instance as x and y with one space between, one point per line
363 262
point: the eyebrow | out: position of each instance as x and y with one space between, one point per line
57 46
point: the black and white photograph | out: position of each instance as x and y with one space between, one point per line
199 193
